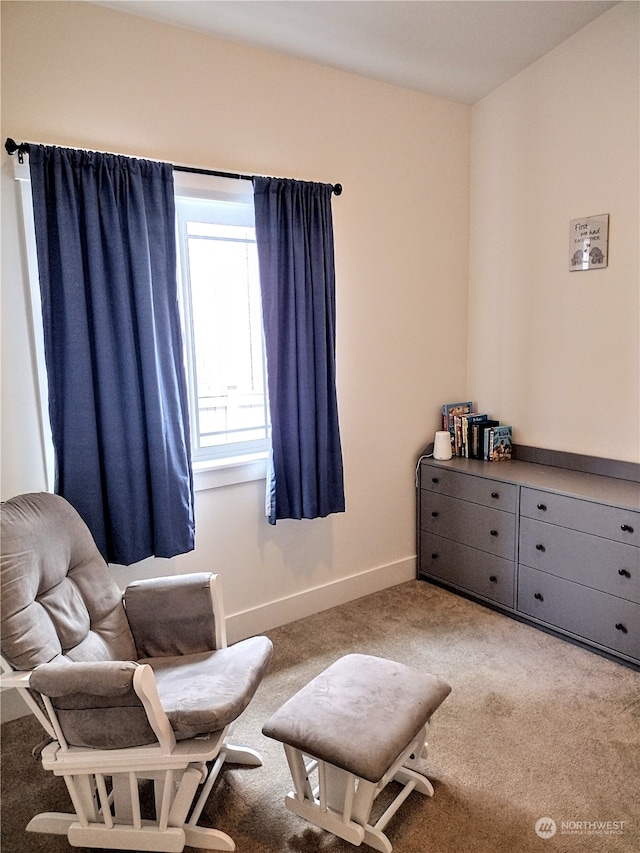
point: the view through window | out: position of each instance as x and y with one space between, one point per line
222 321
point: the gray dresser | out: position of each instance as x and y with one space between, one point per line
546 540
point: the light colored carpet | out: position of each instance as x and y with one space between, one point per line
535 727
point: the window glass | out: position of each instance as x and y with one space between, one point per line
218 268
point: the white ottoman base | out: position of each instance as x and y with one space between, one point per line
341 802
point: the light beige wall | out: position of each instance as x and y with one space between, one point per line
80 75
555 352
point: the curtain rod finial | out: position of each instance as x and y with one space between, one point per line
337 189
12 147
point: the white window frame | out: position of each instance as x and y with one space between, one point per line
249 462
23 179
208 474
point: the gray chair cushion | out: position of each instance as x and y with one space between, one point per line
171 615
96 704
204 692
58 596
359 714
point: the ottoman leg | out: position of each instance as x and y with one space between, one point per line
421 783
327 804
341 802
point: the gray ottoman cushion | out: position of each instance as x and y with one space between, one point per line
359 714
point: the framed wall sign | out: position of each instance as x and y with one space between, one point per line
589 243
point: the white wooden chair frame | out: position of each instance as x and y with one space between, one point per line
103 784
341 802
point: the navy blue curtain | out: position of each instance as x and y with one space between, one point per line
105 234
294 234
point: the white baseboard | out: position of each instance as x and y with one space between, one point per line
292 607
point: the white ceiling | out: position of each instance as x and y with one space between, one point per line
456 49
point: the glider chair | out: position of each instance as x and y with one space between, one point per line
137 692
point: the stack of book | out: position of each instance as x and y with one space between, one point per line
475 434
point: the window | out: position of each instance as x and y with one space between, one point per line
221 308
218 274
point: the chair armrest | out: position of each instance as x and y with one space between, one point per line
103 704
18 679
87 679
176 615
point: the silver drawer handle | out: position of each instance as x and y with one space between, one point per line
627 528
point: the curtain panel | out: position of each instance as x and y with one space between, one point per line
105 236
294 235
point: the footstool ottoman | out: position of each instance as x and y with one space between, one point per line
347 734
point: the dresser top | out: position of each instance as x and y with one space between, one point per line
594 487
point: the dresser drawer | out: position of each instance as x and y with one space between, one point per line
590 560
587 613
480 490
472 570
611 522
471 524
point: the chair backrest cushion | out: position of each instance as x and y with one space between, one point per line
58 597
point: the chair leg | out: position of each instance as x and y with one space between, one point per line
126 799
53 823
191 778
242 755
107 802
149 837
117 825
239 754
203 838
82 790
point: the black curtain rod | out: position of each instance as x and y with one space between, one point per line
13 147
337 188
